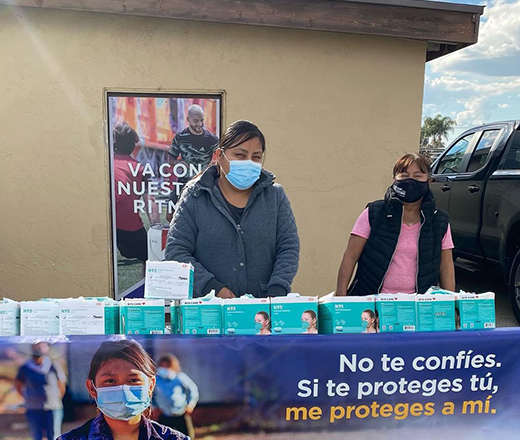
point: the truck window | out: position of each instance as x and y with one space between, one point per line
451 161
481 152
511 160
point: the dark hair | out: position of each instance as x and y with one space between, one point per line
266 318
311 312
127 350
171 361
405 161
238 133
370 313
125 138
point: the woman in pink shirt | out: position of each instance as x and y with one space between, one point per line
401 244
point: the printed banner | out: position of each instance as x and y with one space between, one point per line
464 385
157 144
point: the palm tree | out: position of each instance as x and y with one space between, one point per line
433 131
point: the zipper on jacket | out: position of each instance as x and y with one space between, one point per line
389 264
423 219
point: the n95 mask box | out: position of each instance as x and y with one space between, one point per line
201 316
475 311
82 317
247 316
435 312
396 312
38 318
347 314
168 280
9 318
112 311
143 317
294 314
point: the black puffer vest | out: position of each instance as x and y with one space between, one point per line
385 222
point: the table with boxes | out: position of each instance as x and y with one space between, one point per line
168 308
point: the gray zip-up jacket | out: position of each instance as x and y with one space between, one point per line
259 256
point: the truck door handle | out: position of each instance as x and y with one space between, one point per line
473 188
445 187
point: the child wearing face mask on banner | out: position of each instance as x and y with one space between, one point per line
234 224
121 380
401 244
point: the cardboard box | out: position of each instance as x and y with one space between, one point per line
397 312
201 316
82 317
475 311
9 318
347 314
247 316
142 317
157 236
294 314
168 280
435 312
40 318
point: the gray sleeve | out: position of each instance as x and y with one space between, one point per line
182 239
287 249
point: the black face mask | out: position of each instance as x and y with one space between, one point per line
410 190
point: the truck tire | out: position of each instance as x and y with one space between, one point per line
514 286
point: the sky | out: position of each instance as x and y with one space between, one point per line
480 83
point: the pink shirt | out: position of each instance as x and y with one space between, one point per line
402 272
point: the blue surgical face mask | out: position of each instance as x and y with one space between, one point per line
123 402
163 372
243 173
258 326
364 324
306 325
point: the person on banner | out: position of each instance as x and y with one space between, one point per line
121 380
309 322
234 224
176 396
192 147
401 244
131 236
41 383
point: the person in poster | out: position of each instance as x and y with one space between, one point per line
121 380
192 146
262 323
131 235
176 396
235 225
41 382
369 321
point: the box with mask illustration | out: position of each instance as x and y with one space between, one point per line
347 314
396 312
247 315
294 314
201 316
9 317
435 312
475 311
142 317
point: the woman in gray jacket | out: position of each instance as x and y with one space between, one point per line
234 224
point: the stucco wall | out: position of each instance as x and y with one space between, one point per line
337 111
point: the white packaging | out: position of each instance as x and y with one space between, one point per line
9 318
82 317
168 280
157 235
40 318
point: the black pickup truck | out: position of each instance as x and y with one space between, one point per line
477 180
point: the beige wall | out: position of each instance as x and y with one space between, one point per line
337 111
